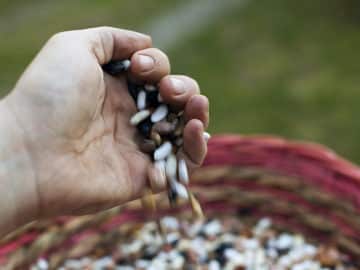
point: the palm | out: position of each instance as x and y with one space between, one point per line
102 162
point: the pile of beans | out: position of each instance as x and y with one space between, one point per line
212 244
161 128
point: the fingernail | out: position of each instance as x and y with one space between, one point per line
178 86
147 63
206 136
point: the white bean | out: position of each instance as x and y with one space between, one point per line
181 190
141 100
206 136
163 151
160 113
149 87
171 165
183 172
139 116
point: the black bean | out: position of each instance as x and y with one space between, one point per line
115 67
152 99
220 249
172 196
145 127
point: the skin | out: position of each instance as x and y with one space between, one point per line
67 146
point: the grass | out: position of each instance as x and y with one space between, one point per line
289 68
275 67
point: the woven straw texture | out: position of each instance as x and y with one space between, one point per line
303 187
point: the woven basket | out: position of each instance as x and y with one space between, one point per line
303 187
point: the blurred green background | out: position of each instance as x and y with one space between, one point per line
290 68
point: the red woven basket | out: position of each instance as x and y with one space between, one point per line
303 187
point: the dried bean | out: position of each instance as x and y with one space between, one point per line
151 99
186 247
160 113
150 87
116 67
155 137
145 127
183 172
206 136
163 151
170 167
139 117
141 100
163 127
147 146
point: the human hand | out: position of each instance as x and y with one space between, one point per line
75 121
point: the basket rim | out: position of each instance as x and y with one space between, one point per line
314 150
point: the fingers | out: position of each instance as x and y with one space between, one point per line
149 65
197 108
195 146
176 90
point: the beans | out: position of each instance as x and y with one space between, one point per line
183 172
181 190
163 127
152 99
170 167
141 100
206 136
115 67
150 87
179 142
163 151
139 116
186 246
160 113
155 137
145 127
147 146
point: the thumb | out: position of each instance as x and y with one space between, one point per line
109 43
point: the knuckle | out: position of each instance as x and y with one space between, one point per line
58 37
105 28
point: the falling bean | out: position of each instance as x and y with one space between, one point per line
183 172
170 167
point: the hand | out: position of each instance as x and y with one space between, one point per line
74 118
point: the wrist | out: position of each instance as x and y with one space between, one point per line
18 195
